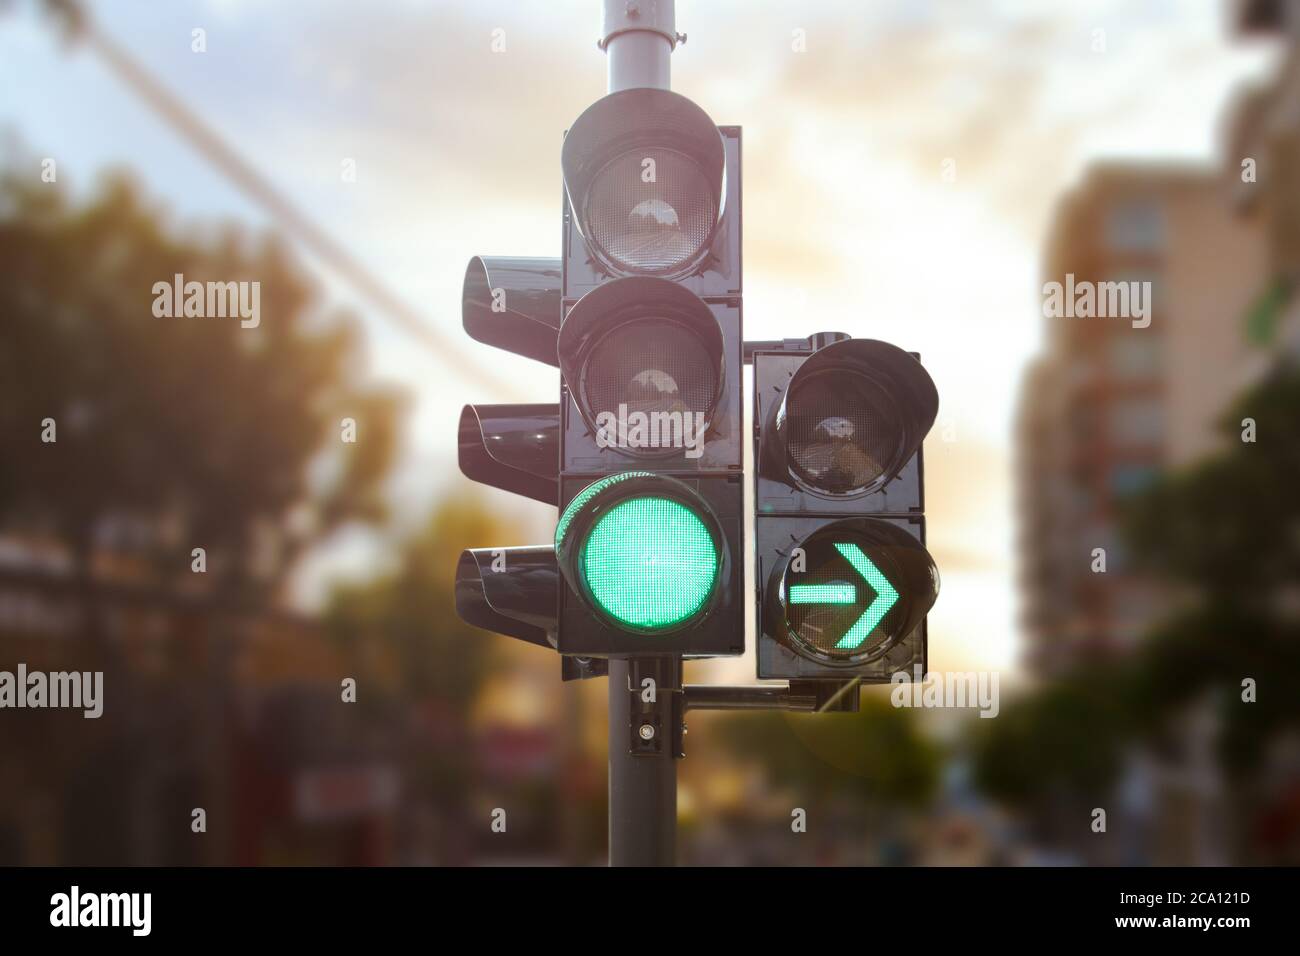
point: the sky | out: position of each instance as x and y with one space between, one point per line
901 165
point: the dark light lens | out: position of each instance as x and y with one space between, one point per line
843 432
650 365
651 210
845 605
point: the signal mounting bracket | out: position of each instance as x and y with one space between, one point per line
812 343
801 696
657 705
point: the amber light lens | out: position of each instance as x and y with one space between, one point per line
650 365
843 432
650 210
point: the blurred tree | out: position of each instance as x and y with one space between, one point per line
405 622
1228 533
173 433
169 434
879 755
1065 736
1225 534
413 653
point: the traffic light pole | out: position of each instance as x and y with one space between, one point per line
644 724
638 37
647 700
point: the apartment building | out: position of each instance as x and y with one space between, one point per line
1113 401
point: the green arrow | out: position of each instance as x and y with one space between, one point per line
886 597
823 594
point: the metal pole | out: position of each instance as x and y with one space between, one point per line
643 740
638 37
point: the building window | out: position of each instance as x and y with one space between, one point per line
1137 421
1130 478
1135 355
1136 225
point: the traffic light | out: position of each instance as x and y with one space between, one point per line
643 452
650 541
843 576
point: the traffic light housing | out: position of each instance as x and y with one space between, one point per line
652 380
643 452
843 577
653 565
651 187
650 541
512 447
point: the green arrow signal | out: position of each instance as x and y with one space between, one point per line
886 597
823 594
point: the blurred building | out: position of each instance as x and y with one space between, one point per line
1108 406
1263 133
233 710
1111 403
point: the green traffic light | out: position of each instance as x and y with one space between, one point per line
650 563
886 596
843 599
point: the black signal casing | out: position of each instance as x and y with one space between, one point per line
718 272
777 491
787 512
712 281
774 537
724 441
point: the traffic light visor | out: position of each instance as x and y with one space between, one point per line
852 416
644 346
510 591
513 303
515 447
645 173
